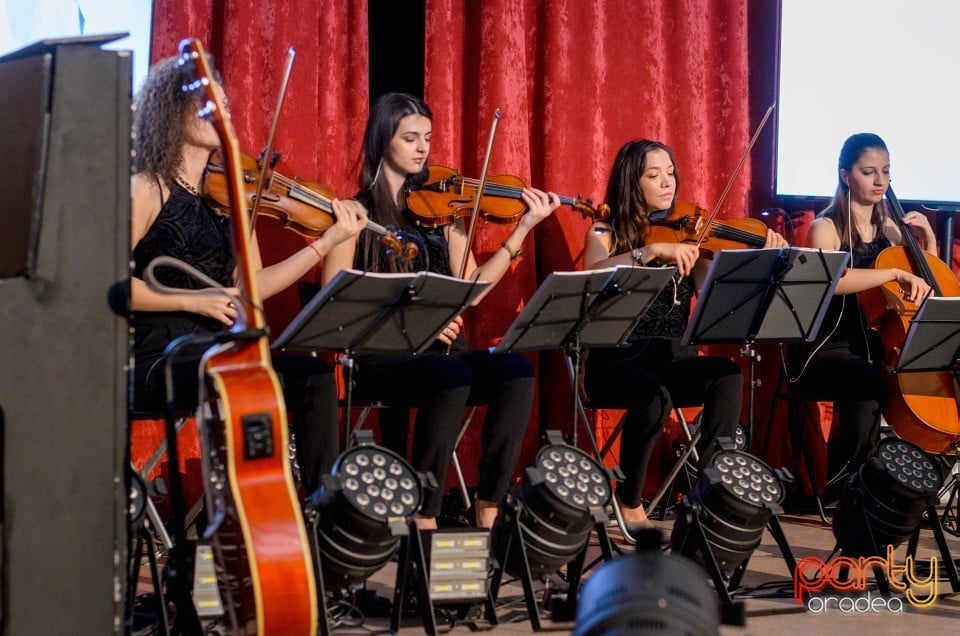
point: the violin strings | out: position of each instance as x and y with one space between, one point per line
718 229
497 189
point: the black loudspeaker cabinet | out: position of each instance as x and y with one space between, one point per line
63 353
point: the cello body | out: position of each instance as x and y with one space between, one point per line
922 406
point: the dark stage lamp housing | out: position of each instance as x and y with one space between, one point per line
883 502
648 593
554 506
362 509
732 501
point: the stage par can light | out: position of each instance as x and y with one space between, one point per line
648 593
733 499
883 502
554 505
364 506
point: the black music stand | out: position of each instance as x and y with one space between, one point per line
596 308
767 295
933 344
374 313
366 312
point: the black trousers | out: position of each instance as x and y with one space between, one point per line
440 386
838 374
309 390
648 379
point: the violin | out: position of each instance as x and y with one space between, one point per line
447 195
688 223
301 206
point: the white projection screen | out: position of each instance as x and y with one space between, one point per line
23 22
885 66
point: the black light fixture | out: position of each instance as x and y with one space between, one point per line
545 521
647 593
722 519
883 502
361 511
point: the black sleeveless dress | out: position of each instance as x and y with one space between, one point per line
187 229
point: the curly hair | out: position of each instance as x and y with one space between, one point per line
160 118
628 210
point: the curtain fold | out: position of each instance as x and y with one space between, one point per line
320 130
574 81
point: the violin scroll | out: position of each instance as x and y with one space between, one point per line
588 211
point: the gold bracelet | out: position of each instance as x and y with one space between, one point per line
513 255
316 249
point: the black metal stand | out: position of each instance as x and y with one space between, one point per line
370 312
574 310
563 611
732 612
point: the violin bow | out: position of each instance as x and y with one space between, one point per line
736 171
480 186
268 151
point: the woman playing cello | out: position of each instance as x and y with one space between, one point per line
843 365
655 371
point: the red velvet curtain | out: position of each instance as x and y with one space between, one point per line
575 80
321 123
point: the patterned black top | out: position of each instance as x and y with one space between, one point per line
434 254
186 228
669 313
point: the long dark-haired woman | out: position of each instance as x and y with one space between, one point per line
655 372
842 365
170 217
396 146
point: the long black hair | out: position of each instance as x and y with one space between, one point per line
628 210
839 209
385 207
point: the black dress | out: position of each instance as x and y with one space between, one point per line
843 369
653 373
187 228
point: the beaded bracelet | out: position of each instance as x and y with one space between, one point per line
513 255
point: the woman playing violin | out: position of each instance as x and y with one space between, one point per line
655 372
169 217
396 146
841 367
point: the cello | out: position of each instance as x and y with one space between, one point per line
922 407
263 560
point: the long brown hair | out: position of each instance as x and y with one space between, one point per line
838 210
383 205
628 210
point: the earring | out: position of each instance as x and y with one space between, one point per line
377 175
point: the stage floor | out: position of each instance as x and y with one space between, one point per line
807 537
770 609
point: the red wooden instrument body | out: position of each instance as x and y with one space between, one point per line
259 539
921 406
